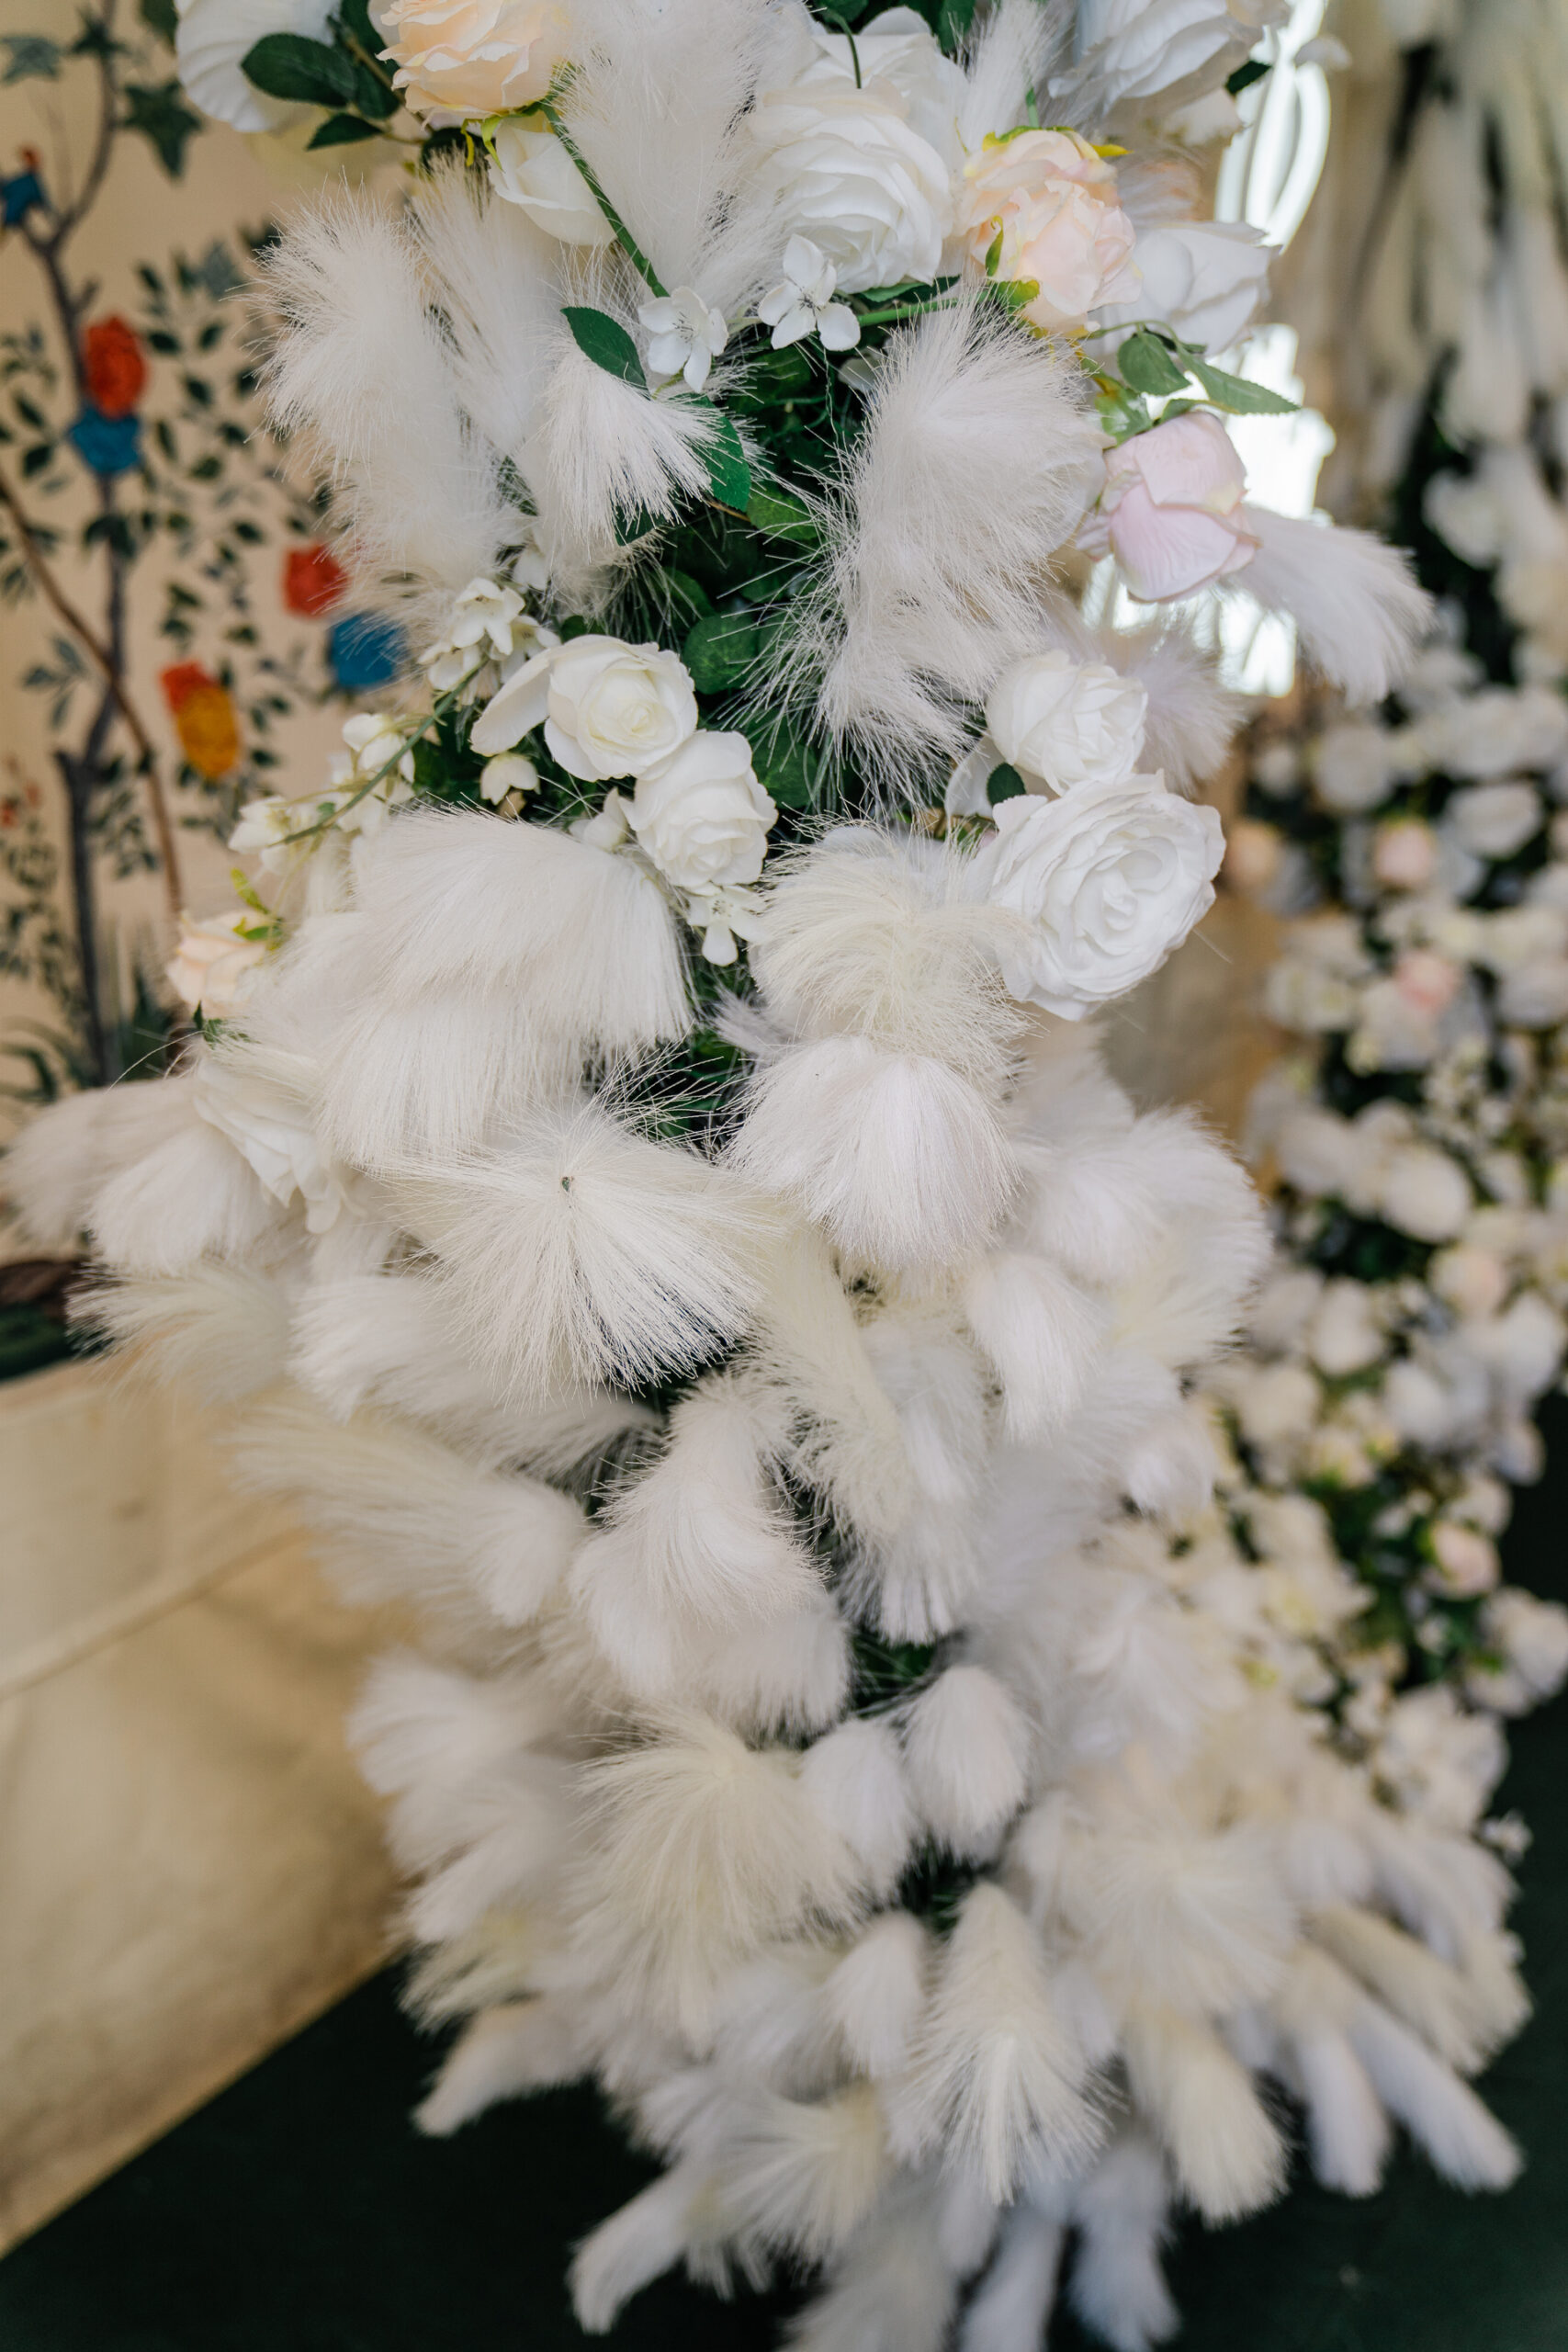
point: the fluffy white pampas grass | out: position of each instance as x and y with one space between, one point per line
362 367
967 1751
581 1252
856 1781
222 1329
1120 2214
705 1848
977 460
801 2175
193 1196
997 2077
1226 2153
1353 598
64 1156
521 2046
1040 1332
876 1993
407 1515
900 1159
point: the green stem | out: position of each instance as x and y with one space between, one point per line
623 237
898 311
442 703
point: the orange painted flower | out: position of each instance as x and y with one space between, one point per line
204 719
313 580
115 370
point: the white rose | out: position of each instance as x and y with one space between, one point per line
1354 767
1067 722
1417 1403
1535 996
897 48
1523 1348
1532 1637
701 816
465 58
1099 886
1466 1560
1424 1194
1346 1334
1495 820
1319 1152
608 709
533 170
1281 1402
1205 279
1140 48
1474 1282
214 35
214 961
1496 730
846 169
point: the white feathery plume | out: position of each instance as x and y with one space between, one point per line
407 1514
778 1675
997 2077
1173 1915
1040 1332
64 1155
1011 52
1225 2153
222 1329
659 106
801 2175
497 276
637 2245
705 1850
582 1253
876 1993
892 2289
362 367
1013 2306
193 1196
1432 1997
1121 2216
1354 600
521 2046
966 1745
976 464
895 1156
432 1080
855 1777
1462 2139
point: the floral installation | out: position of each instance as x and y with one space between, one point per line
1417 851
645 1182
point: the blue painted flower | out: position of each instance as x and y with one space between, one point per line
106 444
18 196
365 652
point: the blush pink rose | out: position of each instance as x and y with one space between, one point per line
1404 853
1171 512
1428 983
1052 201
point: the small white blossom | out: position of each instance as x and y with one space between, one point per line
488 626
803 304
685 335
507 771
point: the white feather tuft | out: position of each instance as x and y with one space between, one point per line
1354 600
1226 2153
967 1751
1040 1332
877 1995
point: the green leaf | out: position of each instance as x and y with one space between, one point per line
1245 75
159 17
719 652
1146 365
634 525
354 19
1004 783
729 476
340 131
606 343
30 57
374 95
787 767
164 120
1239 396
780 514
287 65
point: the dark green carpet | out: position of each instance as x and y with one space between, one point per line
299 2212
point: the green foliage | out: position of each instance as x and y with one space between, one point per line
162 116
304 72
30 57
606 342
340 131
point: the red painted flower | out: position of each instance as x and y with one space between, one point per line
313 580
204 718
113 366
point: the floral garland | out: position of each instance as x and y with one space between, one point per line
661 1149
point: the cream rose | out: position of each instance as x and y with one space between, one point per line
1095 888
1067 722
1205 279
214 961
608 709
701 816
1171 512
531 169
847 168
474 57
1051 201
